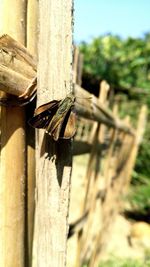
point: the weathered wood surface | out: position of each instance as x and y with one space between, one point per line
54 159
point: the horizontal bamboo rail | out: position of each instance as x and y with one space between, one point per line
88 106
18 68
11 80
81 147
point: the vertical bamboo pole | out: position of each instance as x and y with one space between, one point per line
54 159
91 184
32 40
98 137
75 64
141 125
32 27
126 156
104 89
12 165
80 68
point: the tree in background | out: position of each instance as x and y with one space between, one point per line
125 64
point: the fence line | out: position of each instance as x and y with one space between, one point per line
112 145
113 149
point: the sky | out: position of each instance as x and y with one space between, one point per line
120 17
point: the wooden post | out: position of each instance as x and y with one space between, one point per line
12 165
32 41
54 159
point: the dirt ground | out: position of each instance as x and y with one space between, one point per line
119 245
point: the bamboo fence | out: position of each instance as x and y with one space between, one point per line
40 239
112 145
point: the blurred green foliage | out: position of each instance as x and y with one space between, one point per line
125 63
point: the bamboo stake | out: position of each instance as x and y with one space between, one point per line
97 136
116 181
12 165
108 169
75 64
91 182
54 159
32 40
137 141
80 67
104 89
